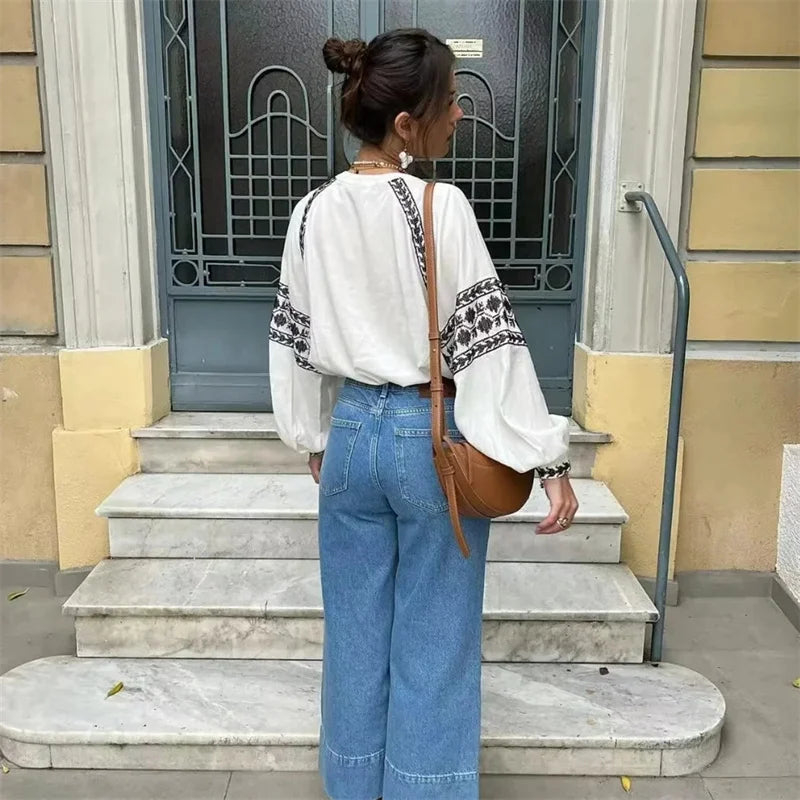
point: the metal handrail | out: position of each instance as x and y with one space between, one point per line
675 402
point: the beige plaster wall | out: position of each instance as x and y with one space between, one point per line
30 408
30 393
737 417
106 393
627 395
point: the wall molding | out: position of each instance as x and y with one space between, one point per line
725 583
785 601
742 351
22 573
649 585
42 575
95 88
644 67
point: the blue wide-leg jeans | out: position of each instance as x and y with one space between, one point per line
401 693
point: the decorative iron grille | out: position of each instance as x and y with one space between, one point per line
277 155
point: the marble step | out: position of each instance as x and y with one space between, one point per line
228 442
272 609
243 715
191 515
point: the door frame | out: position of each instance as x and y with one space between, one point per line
613 256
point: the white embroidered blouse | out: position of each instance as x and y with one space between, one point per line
352 304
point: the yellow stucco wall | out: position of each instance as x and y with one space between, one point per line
16 27
27 304
89 465
744 229
23 205
745 209
744 301
20 121
752 28
737 415
30 401
628 396
53 476
106 393
30 408
749 206
748 112
66 413
114 387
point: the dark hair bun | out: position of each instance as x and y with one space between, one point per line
402 70
345 57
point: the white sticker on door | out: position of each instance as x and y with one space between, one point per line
466 48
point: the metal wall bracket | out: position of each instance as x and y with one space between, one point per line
622 203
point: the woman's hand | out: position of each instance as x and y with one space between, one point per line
315 465
563 505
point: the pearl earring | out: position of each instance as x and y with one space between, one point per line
405 159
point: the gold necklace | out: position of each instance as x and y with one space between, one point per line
357 166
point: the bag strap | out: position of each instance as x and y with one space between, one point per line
434 337
443 464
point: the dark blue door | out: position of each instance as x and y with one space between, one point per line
245 125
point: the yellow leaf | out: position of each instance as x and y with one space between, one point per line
626 783
115 689
15 595
796 683
6 770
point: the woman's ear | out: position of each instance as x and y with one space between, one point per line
402 125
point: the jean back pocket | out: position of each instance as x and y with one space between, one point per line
336 462
416 474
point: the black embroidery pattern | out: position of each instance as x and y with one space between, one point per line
559 471
305 213
291 328
414 219
483 322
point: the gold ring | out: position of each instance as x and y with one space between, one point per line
563 522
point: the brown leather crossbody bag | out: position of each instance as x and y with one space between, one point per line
474 484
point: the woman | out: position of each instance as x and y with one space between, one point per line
402 651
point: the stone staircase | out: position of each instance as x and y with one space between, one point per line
210 613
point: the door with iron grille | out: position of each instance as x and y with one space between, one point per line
245 124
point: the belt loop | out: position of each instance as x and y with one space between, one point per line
381 404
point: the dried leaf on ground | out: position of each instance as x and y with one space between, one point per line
626 782
115 689
15 595
6 770
796 683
